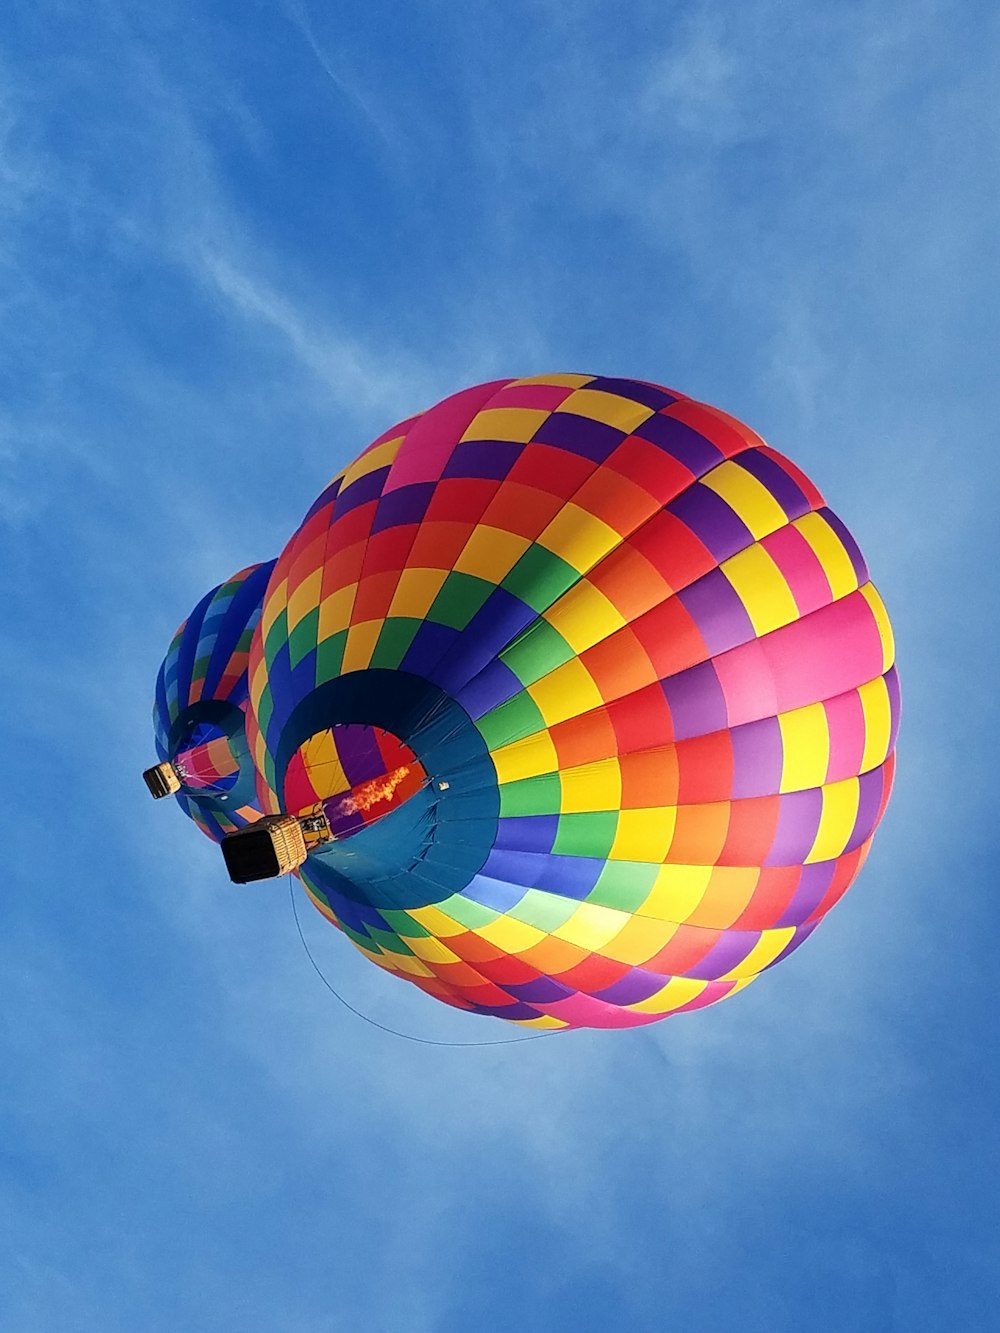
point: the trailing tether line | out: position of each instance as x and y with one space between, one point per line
393 1032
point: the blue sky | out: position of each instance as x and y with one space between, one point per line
237 240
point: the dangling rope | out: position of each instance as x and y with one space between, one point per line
393 1032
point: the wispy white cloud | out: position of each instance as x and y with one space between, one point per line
697 85
21 173
15 501
350 88
355 376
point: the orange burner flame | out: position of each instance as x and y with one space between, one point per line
371 792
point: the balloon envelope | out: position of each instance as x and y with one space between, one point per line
622 682
199 721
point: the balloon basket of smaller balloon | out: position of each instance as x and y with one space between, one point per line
272 846
162 780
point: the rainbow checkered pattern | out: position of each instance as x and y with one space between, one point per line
201 697
643 668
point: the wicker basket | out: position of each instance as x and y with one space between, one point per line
162 780
272 846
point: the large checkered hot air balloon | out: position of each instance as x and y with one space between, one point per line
572 702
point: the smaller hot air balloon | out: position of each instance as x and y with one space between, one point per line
200 710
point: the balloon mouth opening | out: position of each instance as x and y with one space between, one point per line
205 762
405 781
355 774
207 748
